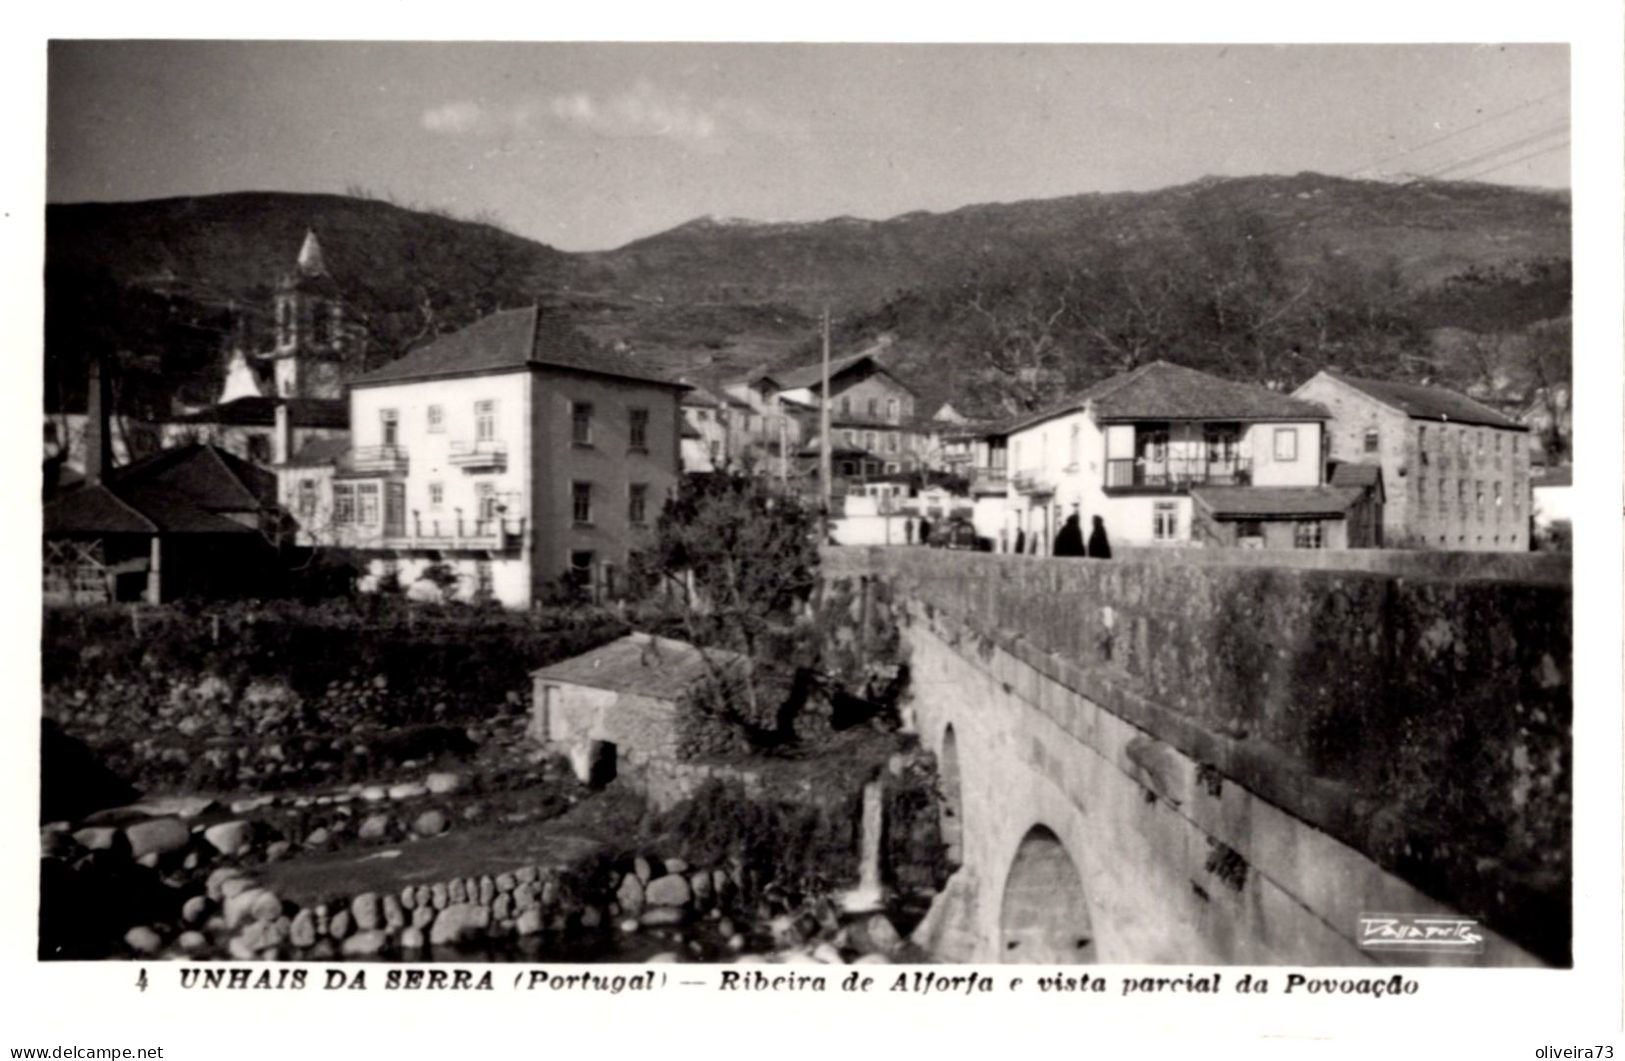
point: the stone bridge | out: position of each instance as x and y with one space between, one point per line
1197 756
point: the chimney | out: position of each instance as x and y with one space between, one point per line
281 436
98 435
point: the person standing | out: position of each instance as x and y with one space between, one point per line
1069 542
1099 546
1021 540
925 531
908 530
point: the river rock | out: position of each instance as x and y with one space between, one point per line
195 909
591 917
157 837
879 935
365 944
143 940
439 895
394 913
149 860
699 882
460 923
252 904
318 838
871 959
457 890
364 909
663 916
785 931
663 957
736 942
629 925
643 868
430 823
526 874
374 793
192 941
502 906
487 890
338 926
265 935
236 884
529 922
443 782
630 894
99 838
302 929
670 890
506 882
230 838
676 865
423 916
374 827
413 939
277 850
408 790
826 954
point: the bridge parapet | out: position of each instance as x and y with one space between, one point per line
1424 720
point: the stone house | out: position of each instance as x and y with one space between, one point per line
1455 472
632 699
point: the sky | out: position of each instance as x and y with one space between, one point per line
589 146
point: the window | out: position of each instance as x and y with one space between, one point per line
1444 492
891 442
581 502
851 438
389 422
485 501
1165 521
1498 442
1422 444
1481 440
891 410
307 497
1478 493
437 494
699 414
1372 439
1286 443
869 441
1308 534
1461 440
846 406
1461 491
437 420
1498 493
259 449
485 420
637 503
581 423
484 583
639 430
366 503
1072 446
343 503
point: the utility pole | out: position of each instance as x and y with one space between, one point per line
825 461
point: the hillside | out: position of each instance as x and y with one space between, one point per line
157 284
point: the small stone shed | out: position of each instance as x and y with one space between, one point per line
633 696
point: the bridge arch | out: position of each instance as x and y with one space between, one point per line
952 804
1043 917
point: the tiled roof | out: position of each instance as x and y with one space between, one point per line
1429 403
319 452
184 490
813 375
657 667
1165 391
511 339
1277 502
1348 473
688 430
261 412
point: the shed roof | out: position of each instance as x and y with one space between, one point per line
184 490
259 411
1349 473
1422 402
1277 502
657 667
512 339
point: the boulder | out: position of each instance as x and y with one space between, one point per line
879 935
302 929
318 838
443 782
338 926
430 823
663 916
670 890
408 790
365 910
235 884
630 894
230 838
374 827
277 850
143 940
460 923
826 954
502 906
529 922
676 865
394 913
195 909
159 836
785 931
374 793
413 939
699 882
368 944
644 869
99 838
251 904
423 916
487 890
192 942
439 895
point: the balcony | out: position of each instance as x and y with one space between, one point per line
989 480
1135 476
452 534
1032 482
388 459
485 454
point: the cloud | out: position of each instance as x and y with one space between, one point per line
461 117
643 110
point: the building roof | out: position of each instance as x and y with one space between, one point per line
512 339
1349 473
1277 502
1165 391
1421 402
657 667
319 453
259 411
184 490
688 430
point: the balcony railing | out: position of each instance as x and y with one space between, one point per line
480 453
989 480
1176 475
1032 482
453 533
388 459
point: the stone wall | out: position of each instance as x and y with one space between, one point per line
1425 722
